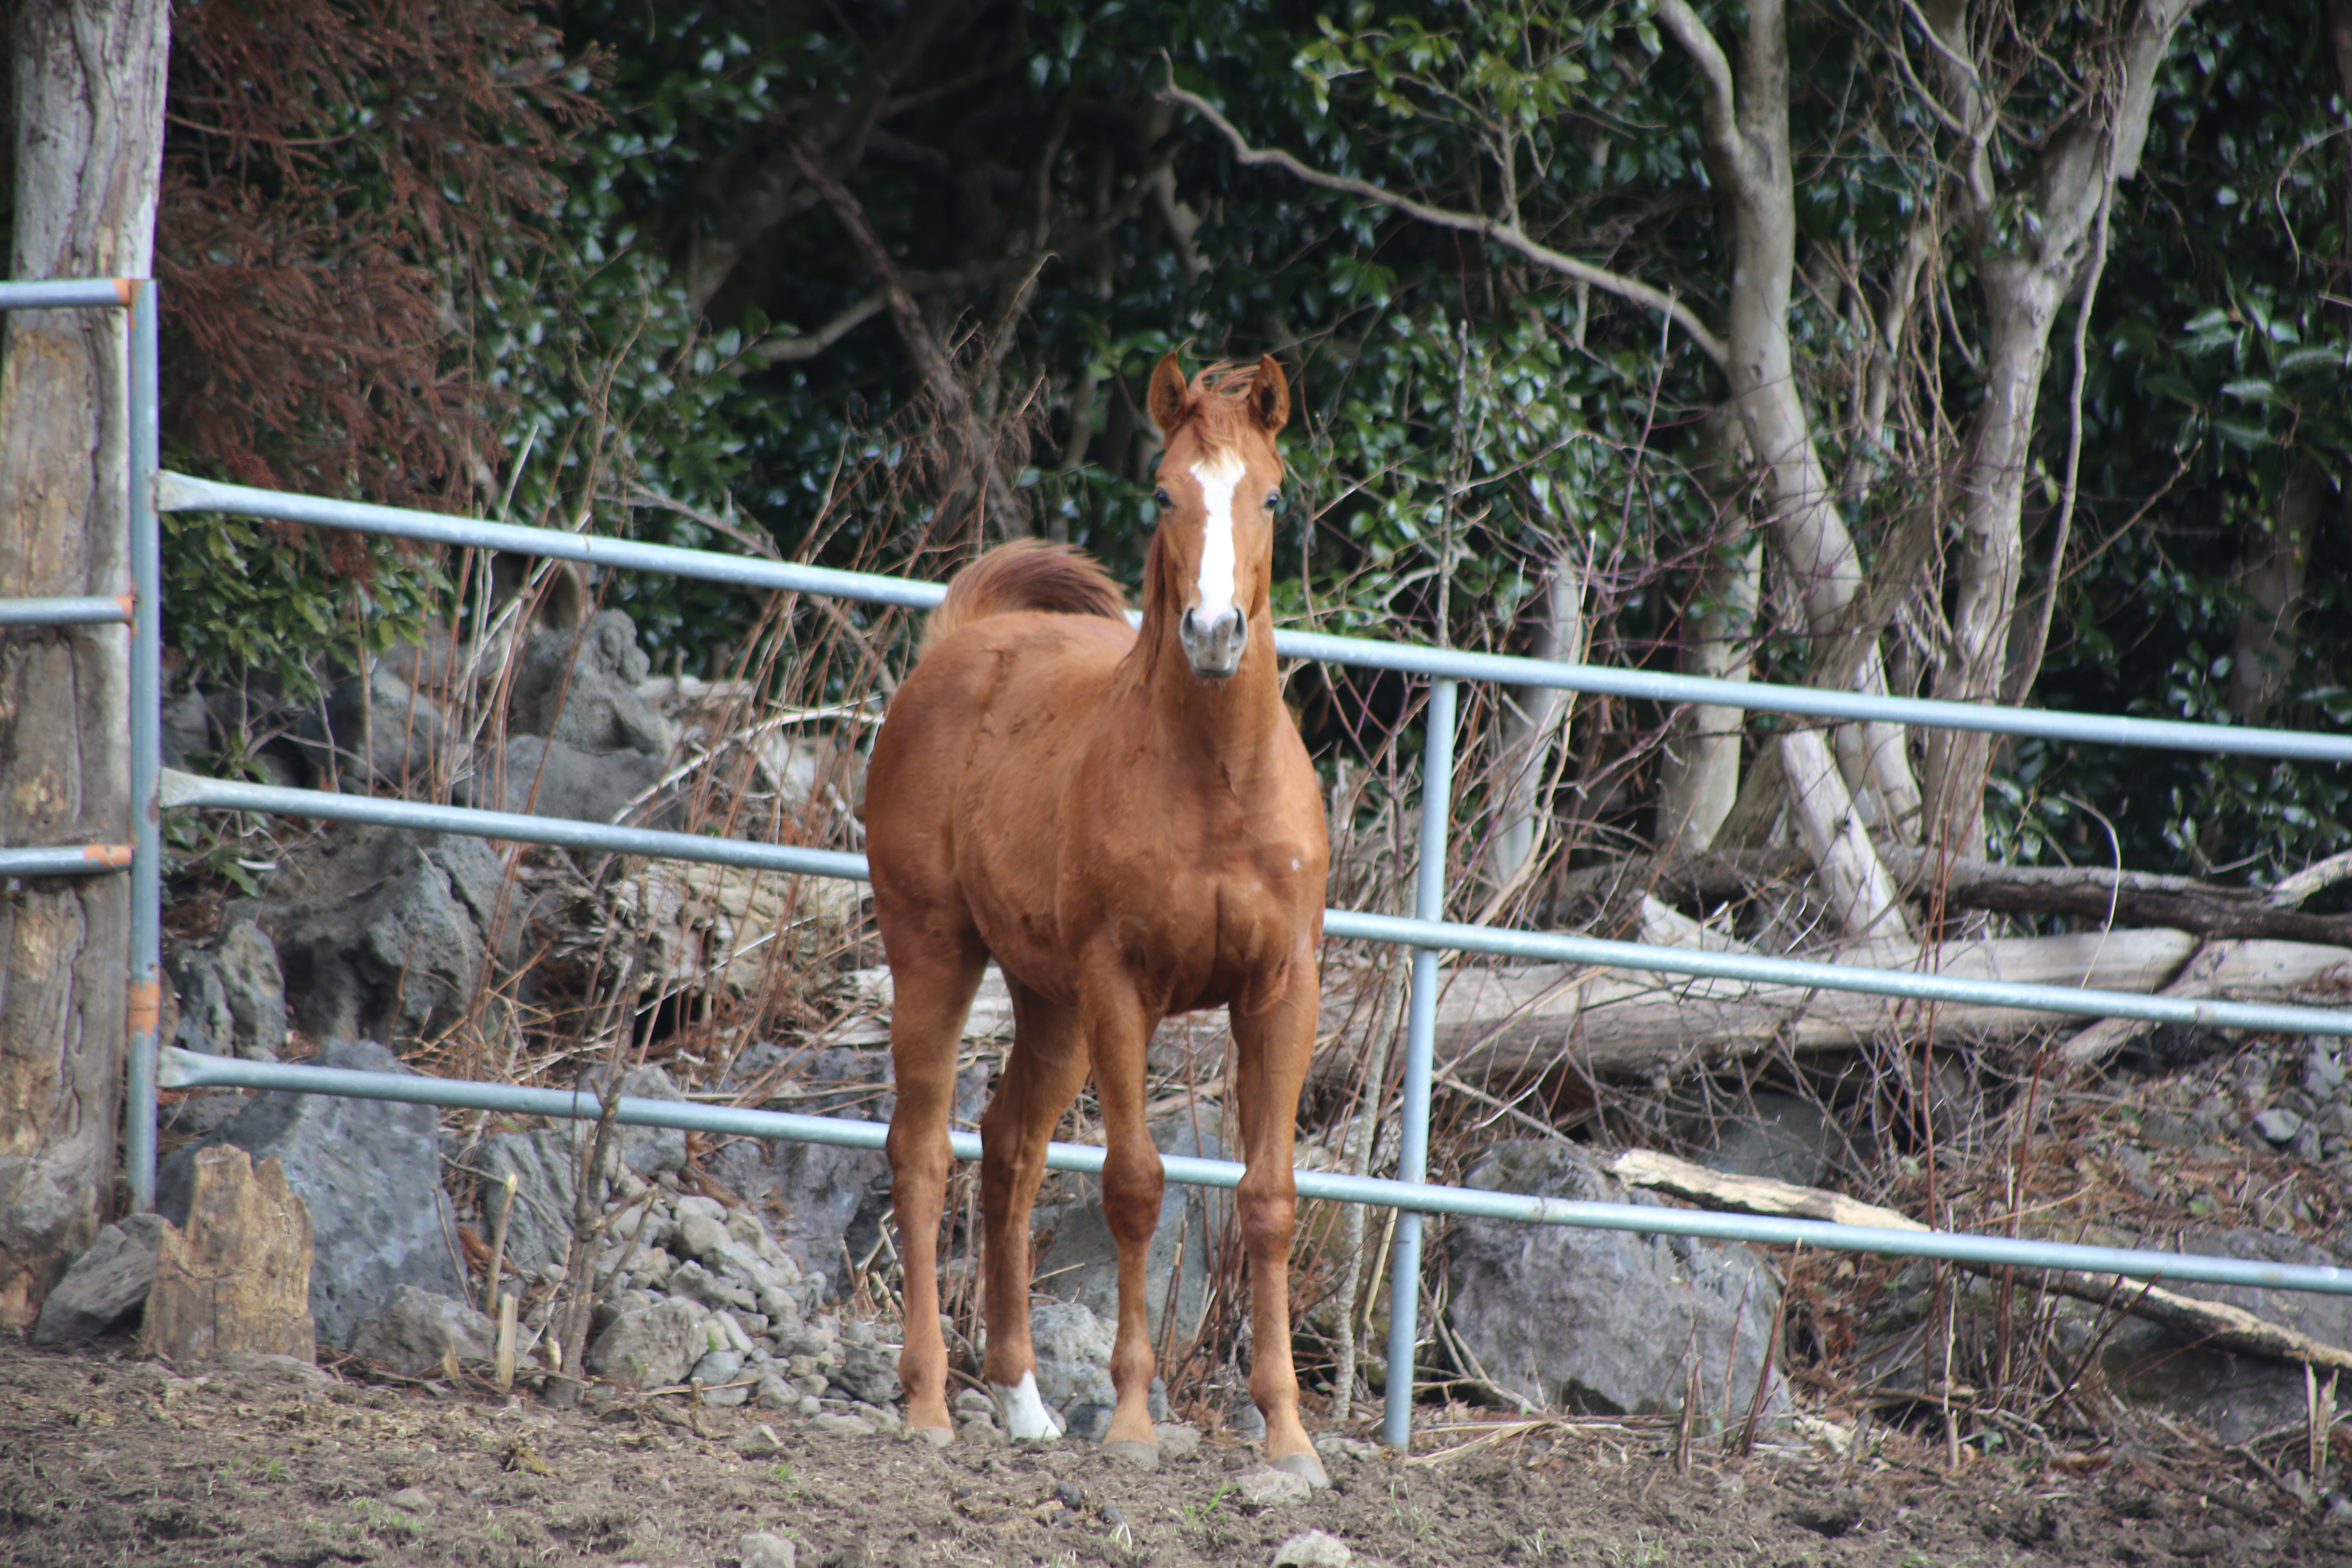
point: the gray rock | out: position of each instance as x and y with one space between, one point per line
715 1370
762 1550
579 687
834 1424
2232 1396
383 934
1604 1321
1785 1140
417 1329
375 728
369 1173
554 778
774 1394
825 1198
652 1347
1073 1348
2277 1125
543 1164
1312 1548
868 1373
105 1285
2322 1075
1081 1263
1270 1487
187 728
760 1443
232 995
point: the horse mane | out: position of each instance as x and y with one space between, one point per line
1219 406
1026 574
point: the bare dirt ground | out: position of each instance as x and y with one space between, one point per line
106 1459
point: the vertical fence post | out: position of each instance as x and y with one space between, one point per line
145 996
1421 1031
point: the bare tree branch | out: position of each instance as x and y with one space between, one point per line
779 348
1509 235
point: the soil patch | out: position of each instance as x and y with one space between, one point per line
107 1458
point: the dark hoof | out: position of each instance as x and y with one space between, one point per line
1143 1455
1306 1467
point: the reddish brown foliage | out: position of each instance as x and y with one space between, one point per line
335 172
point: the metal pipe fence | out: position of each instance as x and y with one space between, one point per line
154 491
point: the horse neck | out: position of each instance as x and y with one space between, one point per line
1236 713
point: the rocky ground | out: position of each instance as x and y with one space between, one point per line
108 1458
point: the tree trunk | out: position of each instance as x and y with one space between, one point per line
1698 768
2271 573
1746 141
88 88
1535 720
1520 1022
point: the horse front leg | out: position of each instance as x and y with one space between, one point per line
932 982
1272 1044
1046 1069
1118 1029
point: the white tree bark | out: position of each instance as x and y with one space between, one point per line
1833 832
2025 269
1699 767
88 88
1745 137
1535 723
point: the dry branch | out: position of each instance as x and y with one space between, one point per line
2215 1323
1518 1021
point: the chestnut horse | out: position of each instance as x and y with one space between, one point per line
1128 823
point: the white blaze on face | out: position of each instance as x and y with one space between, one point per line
1219 477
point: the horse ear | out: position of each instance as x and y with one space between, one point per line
1270 396
1170 399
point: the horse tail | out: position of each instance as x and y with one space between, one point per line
1026 574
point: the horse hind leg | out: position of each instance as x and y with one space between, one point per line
932 984
1043 1074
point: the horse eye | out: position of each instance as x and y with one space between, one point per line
1273 500
1161 497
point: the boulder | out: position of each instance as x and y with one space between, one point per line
824 1200
369 1173
543 1164
555 778
2232 1395
1782 1139
653 1347
387 932
1599 1321
375 728
417 1331
579 687
1073 1349
232 995
1081 1263
105 1285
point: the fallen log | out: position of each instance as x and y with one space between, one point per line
2215 1323
1518 1021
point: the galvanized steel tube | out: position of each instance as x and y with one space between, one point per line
186 1069
68 293
1420 1050
146 993
83 610
188 790
181 493
66 860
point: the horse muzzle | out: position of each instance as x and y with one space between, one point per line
1213 645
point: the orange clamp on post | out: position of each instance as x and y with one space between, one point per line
126 289
143 1007
113 857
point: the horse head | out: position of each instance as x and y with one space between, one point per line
1220 481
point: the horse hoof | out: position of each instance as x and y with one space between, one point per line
937 1436
1306 1467
1143 1455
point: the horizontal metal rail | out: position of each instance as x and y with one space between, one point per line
178 492
87 610
186 1069
66 860
68 293
189 790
